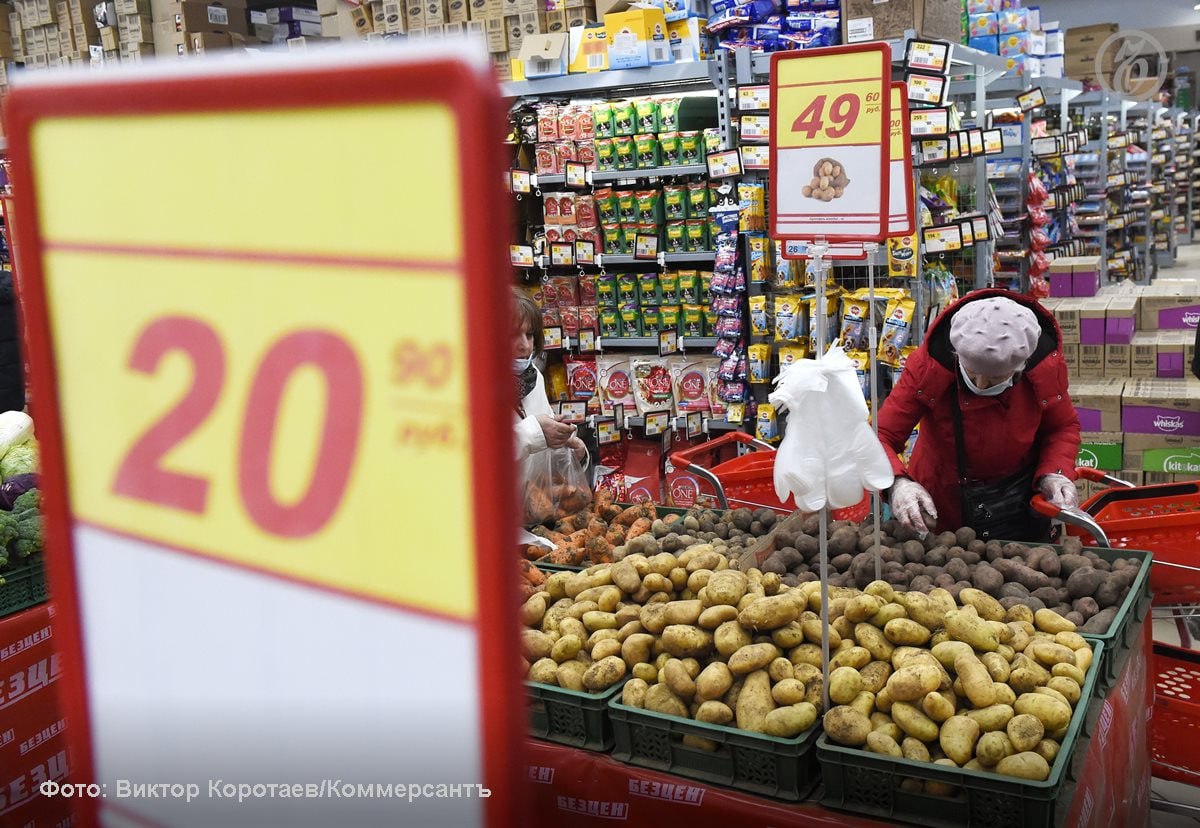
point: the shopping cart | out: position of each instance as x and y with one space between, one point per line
749 479
1175 721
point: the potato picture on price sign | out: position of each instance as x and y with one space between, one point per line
830 151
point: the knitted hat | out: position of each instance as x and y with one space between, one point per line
995 336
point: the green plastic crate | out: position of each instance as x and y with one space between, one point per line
1119 640
24 586
869 783
570 717
754 762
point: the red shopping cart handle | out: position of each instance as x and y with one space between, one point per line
1074 517
681 460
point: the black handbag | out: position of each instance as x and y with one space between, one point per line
999 510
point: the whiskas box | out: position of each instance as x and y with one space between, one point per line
1098 403
1158 406
1120 321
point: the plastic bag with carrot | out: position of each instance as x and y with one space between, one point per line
554 486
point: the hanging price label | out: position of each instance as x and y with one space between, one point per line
668 343
901 201
520 181
934 151
657 422
830 143
756 157
521 255
754 98
942 239
926 89
695 424
796 249
585 253
587 340
562 255
1031 99
552 338
993 142
646 246
575 175
724 164
929 122
573 412
968 233
607 432
927 56
982 229
975 136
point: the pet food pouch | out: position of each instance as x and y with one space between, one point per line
631 320
697 236
759 357
668 287
897 330
647 114
668 114
614 384
788 309
651 384
648 152
675 202
614 239
648 289
547 115
624 119
627 206
757 246
689 287
649 206
602 120
671 149
669 315
627 289
691 147
676 237
759 323
766 425
581 377
854 324
606 155
651 320
624 150
689 378
698 200
606 205
693 321
610 323
790 354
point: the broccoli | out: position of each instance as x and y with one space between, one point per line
31 499
22 527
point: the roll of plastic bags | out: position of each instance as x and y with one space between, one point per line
829 453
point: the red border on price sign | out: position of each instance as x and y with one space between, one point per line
470 94
878 50
900 96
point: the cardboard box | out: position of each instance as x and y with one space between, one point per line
1091 361
1089 39
1163 454
516 34
531 24
458 11
637 37
1101 450
1085 275
1098 403
218 16
589 48
1061 284
1070 352
435 13
1117 360
1143 362
864 20
1166 307
1171 354
687 40
1092 316
581 16
363 20
290 14
1067 314
1120 321
544 55
1161 406
201 42
168 41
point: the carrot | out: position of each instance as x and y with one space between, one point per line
615 536
533 552
640 527
579 537
532 574
635 513
596 528
595 547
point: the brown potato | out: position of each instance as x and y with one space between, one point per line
846 726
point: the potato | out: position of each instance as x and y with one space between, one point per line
913 682
754 702
633 694
810 623
566 648
937 706
883 744
973 630
958 737
991 718
789 636
846 726
604 648
684 642
769 613
544 671
1072 641
806 654
1004 694
883 723
1051 622
1067 687
752 657
646 672
654 618
888 613
1027 765
730 637
856 657
536 644
936 788
636 649
947 651
676 677
1053 694
1025 731
780 669
914 722
988 607
997 667
922 610
1083 658
789 722
1068 671
906 632
875 675
714 712
1051 712
683 612
787 692
992 748
862 607
845 683
726 587
1047 653
1048 749
604 673
660 699
976 681
915 750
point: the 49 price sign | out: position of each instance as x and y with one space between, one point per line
830 140
251 411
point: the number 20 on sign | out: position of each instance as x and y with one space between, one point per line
829 143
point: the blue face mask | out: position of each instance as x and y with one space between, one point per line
994 391
520 365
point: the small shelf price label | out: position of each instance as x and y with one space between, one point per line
756 157
926 89
942 239
975 137
993 142
587 340
927 56
830 143
1031 99
573 412
695 424
521 255
968 233
552 338
668 343
929 122
562 255
724 164
607 432
585 253
657 422
646 246
521 181
575 175
754 98
934 151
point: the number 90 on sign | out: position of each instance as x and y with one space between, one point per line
830 114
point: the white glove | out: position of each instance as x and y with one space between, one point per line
1059 491
909 500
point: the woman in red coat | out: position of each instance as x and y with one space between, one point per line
995 358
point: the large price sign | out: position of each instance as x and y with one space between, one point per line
279 542
830 143
902 205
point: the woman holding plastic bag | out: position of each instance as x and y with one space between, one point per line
989 388
551 454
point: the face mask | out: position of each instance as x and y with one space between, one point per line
520 365
994 391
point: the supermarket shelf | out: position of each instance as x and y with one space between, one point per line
960 57
693 73
649 172
643 342
667 258
680 424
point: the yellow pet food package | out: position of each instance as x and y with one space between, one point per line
897 330
759 322
759 364
766 426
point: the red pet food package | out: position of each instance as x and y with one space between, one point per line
566 288
568 123
651 385
689 379
552 209
644 470
589 319
566 208
570 321
610 471
585 211
684 489
546 160
615 384
585 153
570 233
547 115
581 377
551 318
587 289
566 152
718 407
585 124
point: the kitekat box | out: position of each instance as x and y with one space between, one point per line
1168 407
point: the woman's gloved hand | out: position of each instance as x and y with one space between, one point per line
1059 491
911 503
